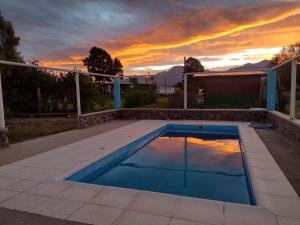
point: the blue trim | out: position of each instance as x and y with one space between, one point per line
271 90
117 93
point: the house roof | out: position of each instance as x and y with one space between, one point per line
231 73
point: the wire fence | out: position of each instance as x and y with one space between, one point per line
40 100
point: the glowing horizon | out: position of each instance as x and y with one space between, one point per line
154 36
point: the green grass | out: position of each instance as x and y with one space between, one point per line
22 129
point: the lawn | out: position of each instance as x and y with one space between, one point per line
21 129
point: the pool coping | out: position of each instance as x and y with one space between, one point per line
276 200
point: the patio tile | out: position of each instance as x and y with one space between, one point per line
49 188
267 174
22 185
32 173
58 208
156 203
269 165
247 215
35 160
175 221
139 218
8 169
200 210
80 193
4 194
96 214
23 202
115 197
259 156
58 164
280 206
288 221
274 187
5 182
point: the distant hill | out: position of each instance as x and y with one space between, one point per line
174 74
252 66
171 77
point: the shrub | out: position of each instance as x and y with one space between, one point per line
136 98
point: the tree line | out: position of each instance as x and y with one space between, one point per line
22 86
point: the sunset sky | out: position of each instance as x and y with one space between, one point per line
153 35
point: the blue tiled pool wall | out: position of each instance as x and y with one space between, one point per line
101 166
95 169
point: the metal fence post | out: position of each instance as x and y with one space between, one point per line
117 93
185 91
293 89
78 97
271 90
2 120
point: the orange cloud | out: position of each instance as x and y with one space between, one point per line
203 32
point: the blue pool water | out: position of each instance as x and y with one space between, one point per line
196 161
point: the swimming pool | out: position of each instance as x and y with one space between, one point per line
187 160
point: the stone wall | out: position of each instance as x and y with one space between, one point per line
92 119
287 127
3 138
197 114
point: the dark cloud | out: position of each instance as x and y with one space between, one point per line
63 29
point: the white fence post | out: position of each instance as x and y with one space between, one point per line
185 91
2 120
293 90
78 97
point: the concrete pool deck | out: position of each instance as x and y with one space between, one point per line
35 185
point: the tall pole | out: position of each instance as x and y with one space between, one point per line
117 93
184 85
2 120
78 97
271 90
293 90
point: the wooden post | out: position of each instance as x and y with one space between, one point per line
2 120
293 90
184 85
78 97
39 99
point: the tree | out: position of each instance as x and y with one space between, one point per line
193 65
284 73
117 67
100 61
8 42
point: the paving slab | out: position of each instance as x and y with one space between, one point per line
14 217
58 208
23 202
43 144
115 197
156 203
138 218
96 214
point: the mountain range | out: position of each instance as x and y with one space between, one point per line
174 74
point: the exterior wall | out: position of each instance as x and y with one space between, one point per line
230 90
3 138
92 119
181 114
287 127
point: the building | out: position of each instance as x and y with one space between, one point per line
239 88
